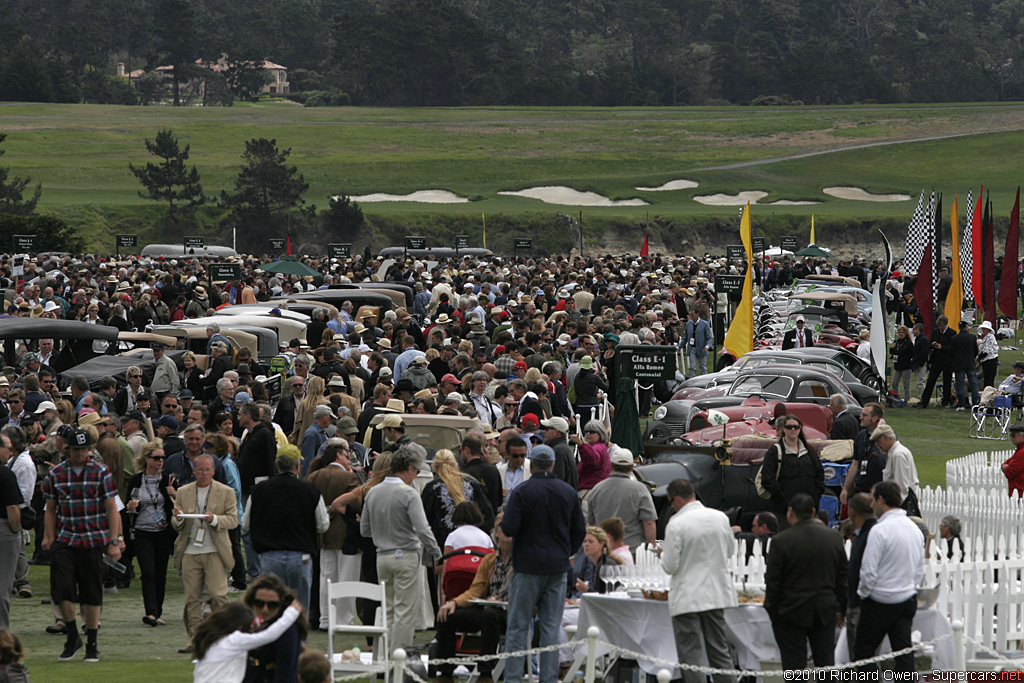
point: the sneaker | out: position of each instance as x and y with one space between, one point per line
233 589
92 654
71 648
25 592
110 590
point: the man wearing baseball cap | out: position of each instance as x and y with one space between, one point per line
556 430
392 428
544 519
82 523
622 496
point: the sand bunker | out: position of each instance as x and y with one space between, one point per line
791 202
671 185
731 199
859 195
422 196
566 196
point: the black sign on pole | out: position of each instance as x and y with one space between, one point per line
759 245
415 243
126 241
277 244
25 243
338 250
729 284
521 243
646 362
194 242
789 243
461 242
225 271
735 252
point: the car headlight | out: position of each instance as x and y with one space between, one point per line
660 413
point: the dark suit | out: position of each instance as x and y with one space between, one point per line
528 406
940 365
218 367
789 339
845 426
805 587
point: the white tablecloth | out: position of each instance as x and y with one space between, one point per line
645 626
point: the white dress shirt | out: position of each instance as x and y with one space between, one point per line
900 468
893 563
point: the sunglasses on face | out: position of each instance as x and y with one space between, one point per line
269 604
158 457
170 405
134 376
792 426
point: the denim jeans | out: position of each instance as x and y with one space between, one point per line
252 558
961 390
546 593
696 359
292 567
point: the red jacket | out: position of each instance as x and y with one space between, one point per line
1014 471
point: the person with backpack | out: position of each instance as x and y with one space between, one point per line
791 466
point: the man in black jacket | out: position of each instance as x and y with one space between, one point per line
219 364
255 462
963 351
285 413
283 515
799 337
941 364
472 453
919 364
805 587
844 426
555 431
868 461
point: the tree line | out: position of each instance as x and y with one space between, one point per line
523 52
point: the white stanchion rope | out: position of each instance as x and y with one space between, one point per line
679 665
995 655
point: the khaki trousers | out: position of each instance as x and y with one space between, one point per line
205 570
402 590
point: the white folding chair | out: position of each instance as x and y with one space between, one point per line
378 631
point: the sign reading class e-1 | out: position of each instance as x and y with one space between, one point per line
647 362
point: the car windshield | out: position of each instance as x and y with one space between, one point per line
766 385
754 362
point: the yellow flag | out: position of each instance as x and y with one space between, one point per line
812 229
484 219
955 296
740 337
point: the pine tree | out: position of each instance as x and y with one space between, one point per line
266 185
12 189
170 180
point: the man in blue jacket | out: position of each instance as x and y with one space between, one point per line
544 519
697 341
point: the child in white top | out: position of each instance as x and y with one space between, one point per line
221 643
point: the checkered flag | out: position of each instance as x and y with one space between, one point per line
966 251
935 209
917 237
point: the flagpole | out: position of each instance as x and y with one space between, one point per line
483 219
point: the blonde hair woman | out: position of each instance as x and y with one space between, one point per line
446 491
149 506
304 410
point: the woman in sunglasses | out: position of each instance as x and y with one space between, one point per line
149 509
791 466
269 597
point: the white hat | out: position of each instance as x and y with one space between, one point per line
986 326
622 457
44 406
558 423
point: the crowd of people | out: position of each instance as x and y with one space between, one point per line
188 461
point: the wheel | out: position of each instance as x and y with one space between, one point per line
871 381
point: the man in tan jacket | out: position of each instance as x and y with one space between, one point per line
202 551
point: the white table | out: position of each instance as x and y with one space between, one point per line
646 626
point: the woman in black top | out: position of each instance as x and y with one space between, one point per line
791 466
149 507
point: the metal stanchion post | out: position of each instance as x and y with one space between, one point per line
592 633
399 658
958 644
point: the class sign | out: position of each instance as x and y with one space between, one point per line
647 362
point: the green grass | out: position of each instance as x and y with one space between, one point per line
80 152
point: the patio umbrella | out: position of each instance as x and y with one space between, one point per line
626 423
812 250
288 266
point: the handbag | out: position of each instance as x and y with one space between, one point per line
910 504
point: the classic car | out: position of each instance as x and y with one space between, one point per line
73 339
786 383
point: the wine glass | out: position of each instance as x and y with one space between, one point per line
607 574
134 496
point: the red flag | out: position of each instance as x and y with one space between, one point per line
988 251
289 243
643 250
1008 294
923 291
976 280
